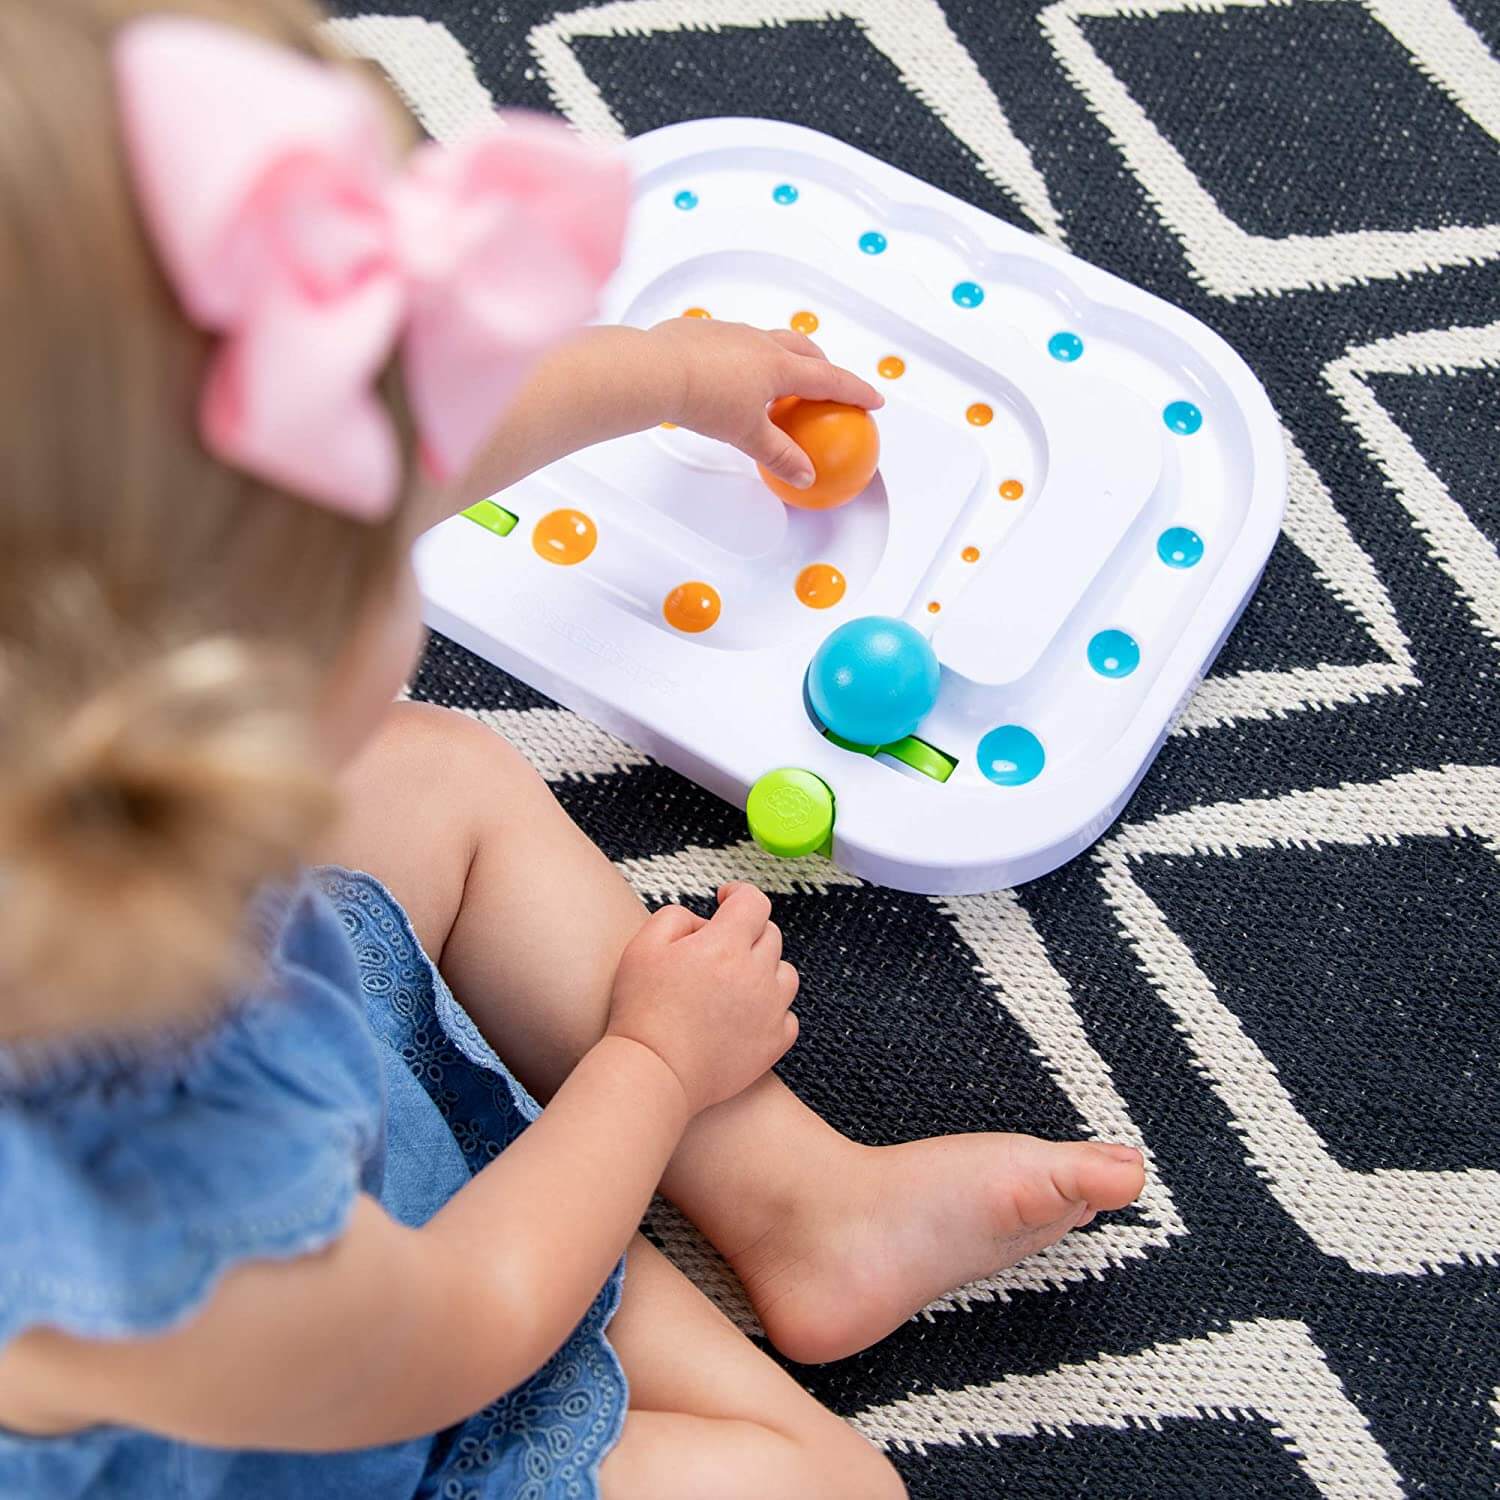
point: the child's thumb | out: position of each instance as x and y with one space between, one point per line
780 456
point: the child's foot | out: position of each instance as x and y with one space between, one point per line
893 1228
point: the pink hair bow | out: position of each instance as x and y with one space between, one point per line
267 182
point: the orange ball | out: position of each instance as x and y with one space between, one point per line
842 442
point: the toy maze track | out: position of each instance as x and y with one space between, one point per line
1278 973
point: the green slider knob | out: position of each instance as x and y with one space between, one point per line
790 813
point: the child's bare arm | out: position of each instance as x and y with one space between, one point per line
393 1332
713 377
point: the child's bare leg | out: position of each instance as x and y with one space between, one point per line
836 1244
711 1418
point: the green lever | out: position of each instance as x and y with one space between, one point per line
911 751
492 517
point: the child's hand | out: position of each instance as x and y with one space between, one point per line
729 374
710 998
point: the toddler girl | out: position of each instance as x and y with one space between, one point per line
275 1217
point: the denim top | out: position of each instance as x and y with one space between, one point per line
134 1174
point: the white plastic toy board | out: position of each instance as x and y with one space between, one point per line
1079 486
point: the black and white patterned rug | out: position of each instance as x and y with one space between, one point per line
1279 971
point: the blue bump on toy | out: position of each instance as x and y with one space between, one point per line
873 680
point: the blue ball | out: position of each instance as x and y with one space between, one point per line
873 680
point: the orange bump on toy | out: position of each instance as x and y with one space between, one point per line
820 585
842 442
564 537
691 607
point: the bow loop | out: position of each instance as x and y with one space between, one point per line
222 129
482 227
267 183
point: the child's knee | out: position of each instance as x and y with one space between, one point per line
853 1468
453 754
877 1477
434 770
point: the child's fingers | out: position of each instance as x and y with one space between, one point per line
729 887
770 446
744 912
820 380
768 945
672 922
797 343
789 980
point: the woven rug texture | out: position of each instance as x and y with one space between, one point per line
1278 972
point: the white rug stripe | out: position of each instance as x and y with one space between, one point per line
697 871
1390 1221
1447 49
1314 525
1461 549
1012 960
428 67
1271 1369
913 34
1228 260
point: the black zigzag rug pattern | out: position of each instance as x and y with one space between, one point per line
1278 973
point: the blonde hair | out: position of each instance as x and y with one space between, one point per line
166 623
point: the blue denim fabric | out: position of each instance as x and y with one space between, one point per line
132 1176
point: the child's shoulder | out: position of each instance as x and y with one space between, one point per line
136 1173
